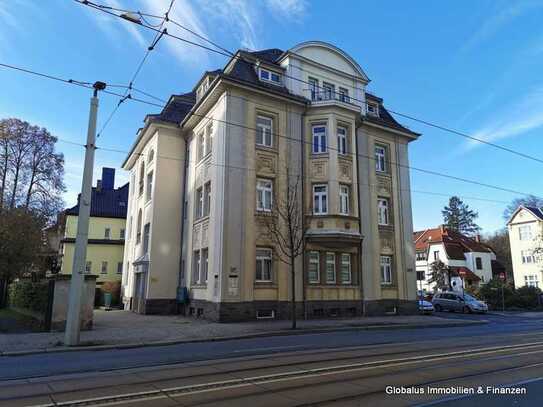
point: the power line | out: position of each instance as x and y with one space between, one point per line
227 53
431 172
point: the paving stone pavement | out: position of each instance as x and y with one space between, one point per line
125 327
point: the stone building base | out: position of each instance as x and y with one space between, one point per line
390 307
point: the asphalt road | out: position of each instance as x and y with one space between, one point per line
344 368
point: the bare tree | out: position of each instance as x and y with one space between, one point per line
286 228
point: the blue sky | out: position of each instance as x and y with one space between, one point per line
471 66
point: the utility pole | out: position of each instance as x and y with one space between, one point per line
73 319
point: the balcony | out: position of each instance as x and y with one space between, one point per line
328 97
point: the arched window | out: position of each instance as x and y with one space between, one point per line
138 231
151 156
142 176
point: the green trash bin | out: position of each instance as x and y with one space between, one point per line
107 300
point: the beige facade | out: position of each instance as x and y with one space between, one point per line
526 239
221 156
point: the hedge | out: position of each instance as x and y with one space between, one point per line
29 295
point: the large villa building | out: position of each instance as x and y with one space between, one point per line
206 170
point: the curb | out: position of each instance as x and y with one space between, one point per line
285 332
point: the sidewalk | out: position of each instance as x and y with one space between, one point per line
116 329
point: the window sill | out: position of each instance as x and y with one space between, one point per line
388 285
198 285
347 156
319 155
265 284
269 149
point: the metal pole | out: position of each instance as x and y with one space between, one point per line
503 296
71 335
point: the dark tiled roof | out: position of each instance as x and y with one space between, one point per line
106 203
538 212
176 109
269 55
385 118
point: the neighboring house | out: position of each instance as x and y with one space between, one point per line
202 179
106 231
526 240
462 254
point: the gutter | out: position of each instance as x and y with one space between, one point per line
360 263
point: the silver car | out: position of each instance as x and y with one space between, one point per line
453 301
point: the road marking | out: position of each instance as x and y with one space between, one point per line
292 375
271 348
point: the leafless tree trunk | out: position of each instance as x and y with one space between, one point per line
4 141
286 229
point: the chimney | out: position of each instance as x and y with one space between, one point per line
108 178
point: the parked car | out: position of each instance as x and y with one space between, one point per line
426 307
453 301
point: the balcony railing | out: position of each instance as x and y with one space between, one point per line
328 94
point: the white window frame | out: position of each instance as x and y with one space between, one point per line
196 267
311 261
204 264
264 258
383 212
201 143
330 262
342 140
199 202
320 137
527 257
329 91
320 200
345 261
149 188
313 88
344 95
264 125
344 199
372 108
525 232
208 142
531 280
380 158
385 263
264 195
270 74
206 199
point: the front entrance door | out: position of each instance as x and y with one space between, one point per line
138 300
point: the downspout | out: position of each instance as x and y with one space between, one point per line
361 279
302 144
180 280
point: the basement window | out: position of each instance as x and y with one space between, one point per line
265 314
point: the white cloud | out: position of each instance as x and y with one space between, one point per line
499 19
515 119
290 9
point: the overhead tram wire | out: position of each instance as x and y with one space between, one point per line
135 99
224 52
127 92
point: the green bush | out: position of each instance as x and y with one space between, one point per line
521 298
29 295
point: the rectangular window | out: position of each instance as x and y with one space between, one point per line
88 267
264 126
320 199
420 275
103 270
531 281
196 267
263 265
328 91
344 198
346 277
421 256
383 211
205 265
436 255
527 256
314 88
386 269
146 235
201 145
373 109
478 263
207 198
209 139
380 158
264 193
330 267
120 267
270 76
199 203
107 233
319 139
149 191
344 95
525 232
342 140
313 271
122 234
